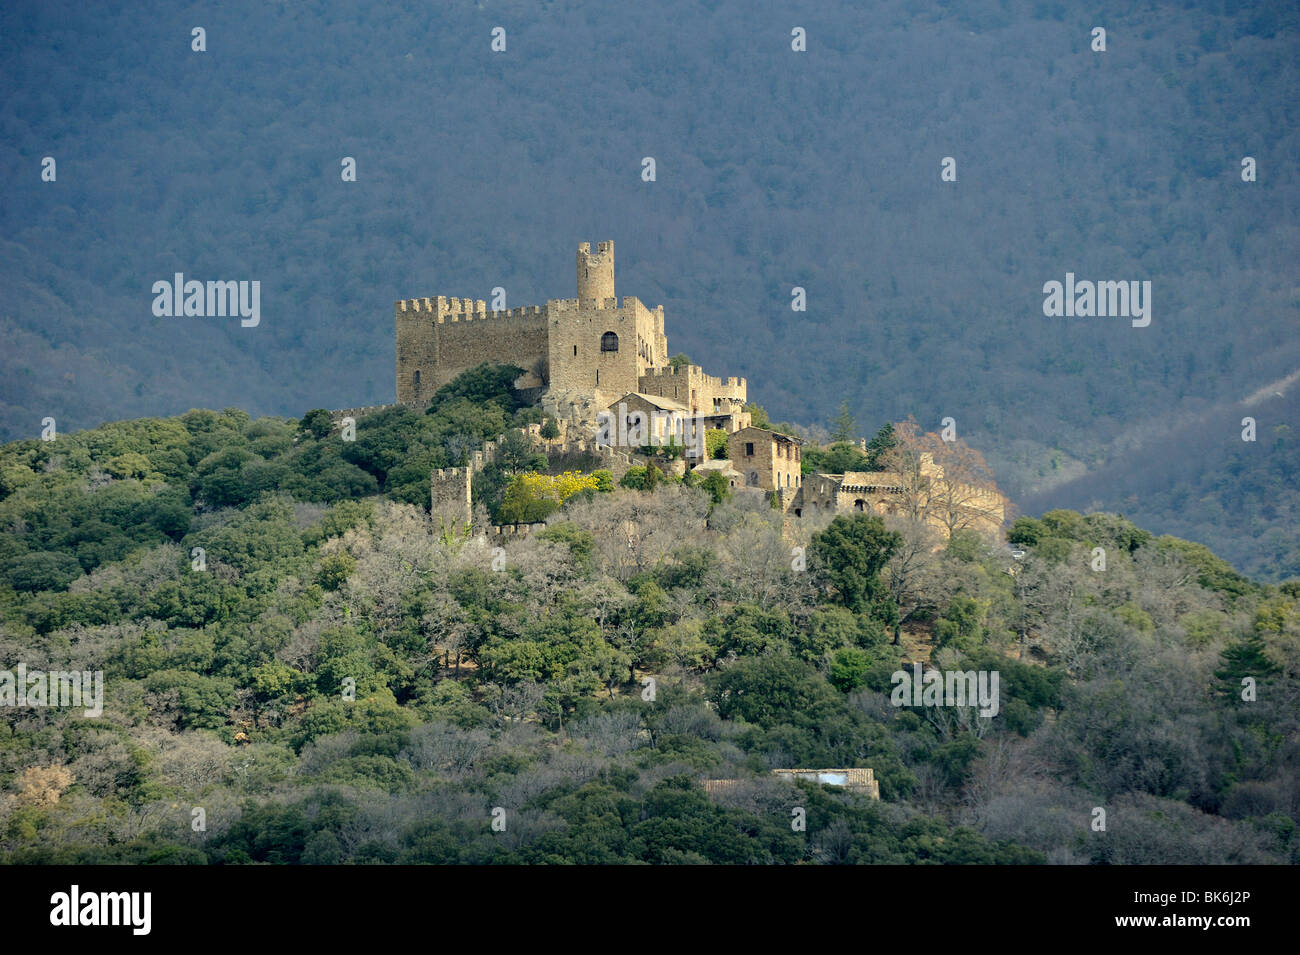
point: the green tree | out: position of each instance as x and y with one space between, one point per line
525 502
962 624
843 456
515 453
43 571
884 441
845 426
852 551
758 416
1245 658
716 486
318 423
335 569
715 443
769 690
480 385
849 669
653 477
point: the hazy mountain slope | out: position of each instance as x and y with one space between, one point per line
1201 481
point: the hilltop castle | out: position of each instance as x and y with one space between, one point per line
596 353
580 354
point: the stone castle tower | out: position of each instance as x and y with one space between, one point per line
583 351
450 493
596 272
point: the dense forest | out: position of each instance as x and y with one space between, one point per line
302 665
774 169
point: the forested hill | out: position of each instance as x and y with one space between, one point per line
1197 476
774 169
302 665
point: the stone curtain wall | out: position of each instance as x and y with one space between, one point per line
441 337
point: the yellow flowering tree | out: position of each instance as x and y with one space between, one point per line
533 497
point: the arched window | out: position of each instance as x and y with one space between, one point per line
609 342
417 381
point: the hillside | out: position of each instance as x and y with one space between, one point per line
296 655
775 169
1197 475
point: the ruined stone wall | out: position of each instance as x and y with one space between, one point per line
573 443
450 495
501 533
356 413
880 492
820 491
855 780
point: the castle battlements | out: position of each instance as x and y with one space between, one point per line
702 393
580 349
523 311
585 304
442 309
695 371
481 314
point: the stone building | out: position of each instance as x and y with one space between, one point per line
768 459
597 353
581 352
705 395
450 490
926 495
722 466
851 780
639 419
854 780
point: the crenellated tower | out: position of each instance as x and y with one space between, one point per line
576 352
596 272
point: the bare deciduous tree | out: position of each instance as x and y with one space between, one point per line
947 482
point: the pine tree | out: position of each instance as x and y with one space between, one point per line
846 426
1248 657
